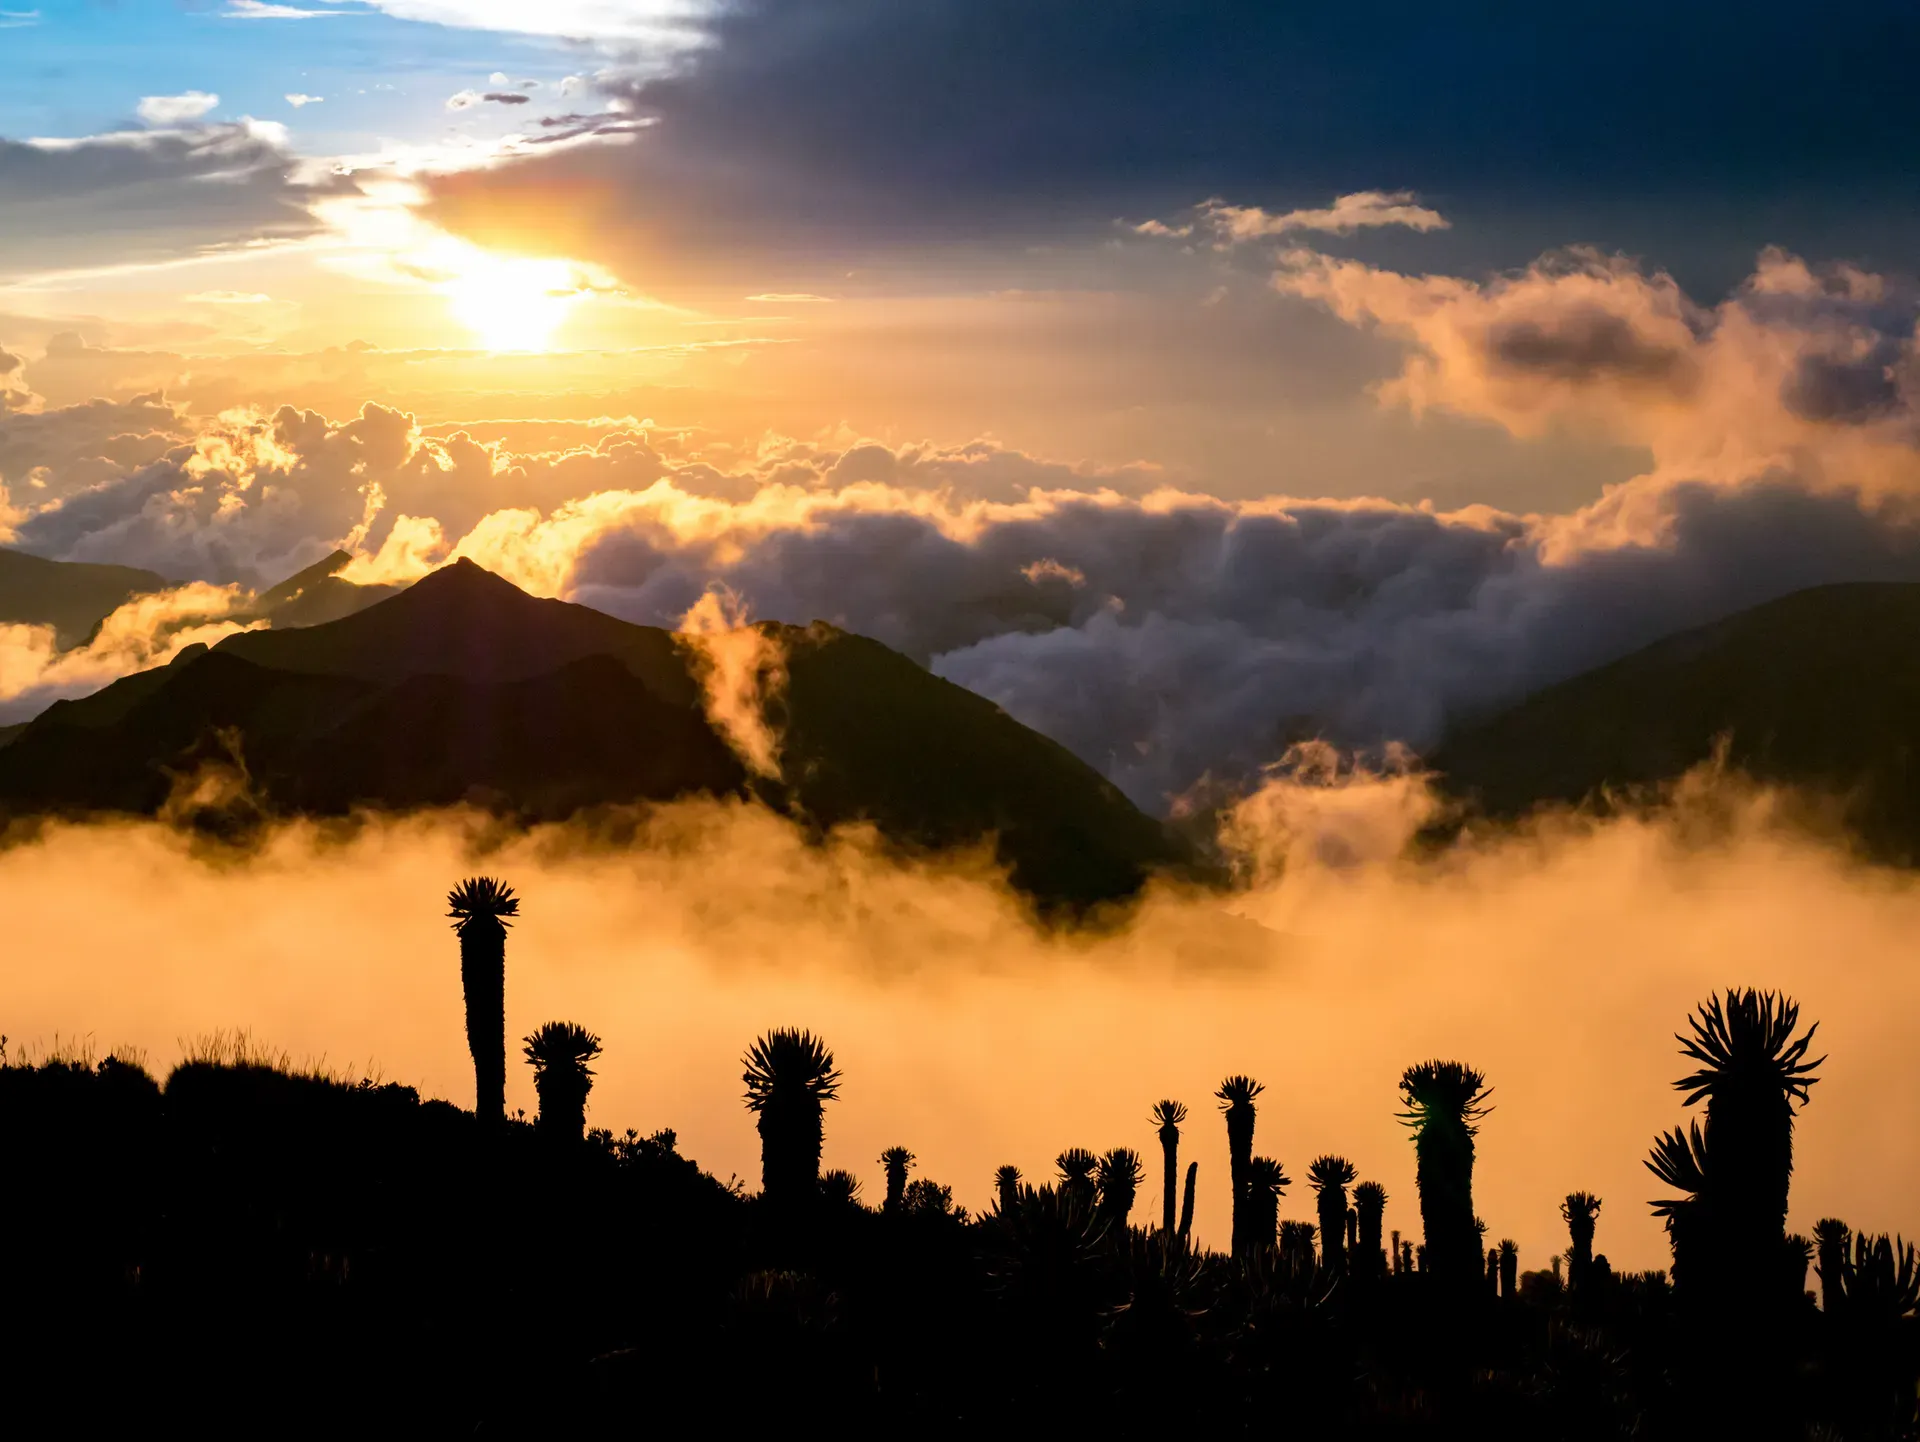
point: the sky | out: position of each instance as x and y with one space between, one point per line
1191 379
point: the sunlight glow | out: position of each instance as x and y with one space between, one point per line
512 303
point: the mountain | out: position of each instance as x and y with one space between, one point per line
463 688
317 595
70 596
1819 689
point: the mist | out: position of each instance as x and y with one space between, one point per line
1558 959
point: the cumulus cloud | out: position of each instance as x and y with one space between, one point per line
669 24
299 101
177 109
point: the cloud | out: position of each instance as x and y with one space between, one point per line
1361 210
506 97
669 24
298 101
144 196
463 100
228 297
260 10
177 109
1020 122
780 297
146 631
18 19
1162 634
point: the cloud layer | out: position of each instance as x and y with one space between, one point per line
1163 635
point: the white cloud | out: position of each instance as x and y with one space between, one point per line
258 10
298 101
177 109
18 19
781 297
666 22
463 100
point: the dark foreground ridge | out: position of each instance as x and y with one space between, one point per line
305 1255
465 689
1819 689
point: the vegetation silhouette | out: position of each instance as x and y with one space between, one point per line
561 1053
359 1258
480 907
790 1078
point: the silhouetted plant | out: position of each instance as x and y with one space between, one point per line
1831 1239
1580 1211
1752 1072
1445 1102
839 1188
1296 1246
1370 1210
1077 1166
895 1162
1167 1116
1006 1186
479 908
927 1198
1509 1267
1330 1177
1394 1257
562 1053
1267 1182
1493 1271
1118 1183
1679 1159
790 1077
1186 1201
1237 1095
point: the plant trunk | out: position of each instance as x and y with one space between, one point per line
483 980
1170 1173
1186 1204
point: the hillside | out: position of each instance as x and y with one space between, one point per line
69 596
463 688
1818 689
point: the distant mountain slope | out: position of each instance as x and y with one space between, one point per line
1820 688
317 595
465 688
70 596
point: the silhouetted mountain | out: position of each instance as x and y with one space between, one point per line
465 688
317 595
70 596
1818 689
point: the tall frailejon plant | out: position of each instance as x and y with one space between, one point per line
1370 1207
895 1163
1006 1187
1267 1182
562 1053
1509 1267
479 908
1831 1237
1186 1201
1445 1102
1117 1181
1237 1095
1167 1116
790 1077
1330 1177
1077 1167
1580 1211
1752 1073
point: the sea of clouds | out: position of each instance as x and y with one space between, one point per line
1165 635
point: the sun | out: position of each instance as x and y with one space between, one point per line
511 302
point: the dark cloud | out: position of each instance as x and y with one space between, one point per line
148 194
506 97
835 124
1585 344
